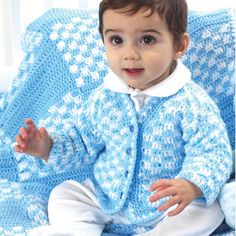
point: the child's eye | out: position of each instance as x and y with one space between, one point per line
147 39
116 40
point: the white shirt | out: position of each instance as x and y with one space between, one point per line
171 85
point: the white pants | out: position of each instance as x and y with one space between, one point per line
74 211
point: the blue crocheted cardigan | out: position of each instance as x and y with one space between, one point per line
181 135
63 63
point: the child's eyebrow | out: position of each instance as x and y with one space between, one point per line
151 31
143 31
112 31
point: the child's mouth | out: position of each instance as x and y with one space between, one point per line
134 72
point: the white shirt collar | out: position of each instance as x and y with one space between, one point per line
171 85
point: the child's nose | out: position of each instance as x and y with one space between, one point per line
131 53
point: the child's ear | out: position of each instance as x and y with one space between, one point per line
182 45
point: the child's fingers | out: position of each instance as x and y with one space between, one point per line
23 132
28 121
161 194
43 133
20 146
160 184
177 210
17 148
170 203
30 124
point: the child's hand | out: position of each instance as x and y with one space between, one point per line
181 191
33 141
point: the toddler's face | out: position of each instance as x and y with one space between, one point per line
139 48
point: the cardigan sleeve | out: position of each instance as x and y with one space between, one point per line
208 160
81 144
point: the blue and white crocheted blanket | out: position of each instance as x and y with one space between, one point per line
63 62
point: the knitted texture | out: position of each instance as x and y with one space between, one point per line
64 61
132 150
